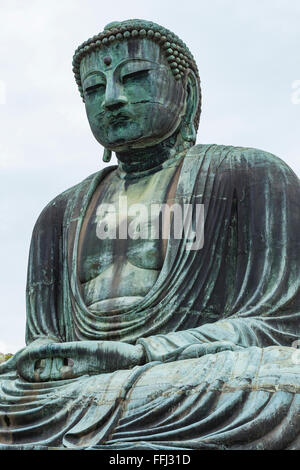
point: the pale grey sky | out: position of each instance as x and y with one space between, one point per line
248 56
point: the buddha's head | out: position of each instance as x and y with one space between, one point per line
140 86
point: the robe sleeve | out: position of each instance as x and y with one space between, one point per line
261 307
44 283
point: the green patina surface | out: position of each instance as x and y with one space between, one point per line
141 342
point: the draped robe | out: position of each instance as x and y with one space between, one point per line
242 287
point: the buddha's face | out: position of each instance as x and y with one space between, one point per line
132 98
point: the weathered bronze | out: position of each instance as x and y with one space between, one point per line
139 335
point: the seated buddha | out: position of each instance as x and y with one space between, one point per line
140 334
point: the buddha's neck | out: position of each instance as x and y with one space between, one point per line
137 160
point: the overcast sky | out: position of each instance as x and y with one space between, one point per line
248 56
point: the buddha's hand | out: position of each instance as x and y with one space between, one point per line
202 349
26 365
60 361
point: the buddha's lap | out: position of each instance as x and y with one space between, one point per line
204 394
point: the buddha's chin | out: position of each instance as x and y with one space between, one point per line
134 142
123 136
129 135
130 143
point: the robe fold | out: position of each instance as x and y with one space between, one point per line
242 288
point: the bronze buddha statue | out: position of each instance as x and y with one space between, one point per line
145 341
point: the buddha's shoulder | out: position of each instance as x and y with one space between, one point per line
236 157
55 209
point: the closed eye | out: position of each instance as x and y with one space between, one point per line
94 88
138 75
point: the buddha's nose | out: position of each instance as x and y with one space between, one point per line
114 98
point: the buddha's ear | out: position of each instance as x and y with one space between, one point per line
188 130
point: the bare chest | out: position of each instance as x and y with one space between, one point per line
123 225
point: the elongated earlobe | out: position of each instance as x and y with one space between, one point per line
188 130
107 155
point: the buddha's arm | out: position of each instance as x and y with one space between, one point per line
43 275
47 309
210 338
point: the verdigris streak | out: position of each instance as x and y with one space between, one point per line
139 342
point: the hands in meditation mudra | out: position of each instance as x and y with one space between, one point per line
138 339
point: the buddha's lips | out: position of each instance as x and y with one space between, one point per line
116 118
